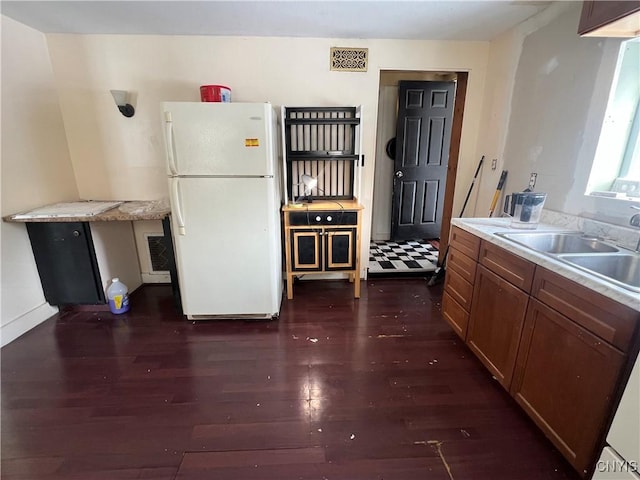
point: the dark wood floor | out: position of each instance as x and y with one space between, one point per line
378 388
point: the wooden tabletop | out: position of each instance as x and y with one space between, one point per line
318 205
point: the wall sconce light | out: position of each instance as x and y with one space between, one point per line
120 97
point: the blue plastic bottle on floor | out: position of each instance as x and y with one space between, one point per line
118 297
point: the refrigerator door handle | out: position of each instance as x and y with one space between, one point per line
178 212
168 125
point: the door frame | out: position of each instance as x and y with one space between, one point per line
461 79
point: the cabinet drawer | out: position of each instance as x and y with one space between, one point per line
453 313
461 290
611 321
462 264
514 269
465 242
337 217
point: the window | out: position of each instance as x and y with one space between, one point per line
616 167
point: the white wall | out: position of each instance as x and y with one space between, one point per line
553 87
119 158
36 169
504 57
383 181
550 121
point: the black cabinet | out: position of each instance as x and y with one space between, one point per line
66 262
324 249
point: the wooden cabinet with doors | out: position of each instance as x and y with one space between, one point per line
562 350
500 299
322 164
321 238
610 18
460 279
570 361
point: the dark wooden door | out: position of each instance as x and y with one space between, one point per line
423 132
565 379
66 262
497 315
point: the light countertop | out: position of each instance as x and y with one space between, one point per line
126 211
486 229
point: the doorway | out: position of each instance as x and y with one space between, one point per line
423 137
385 168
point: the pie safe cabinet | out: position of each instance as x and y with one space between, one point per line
322 216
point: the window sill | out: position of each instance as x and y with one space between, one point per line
614 196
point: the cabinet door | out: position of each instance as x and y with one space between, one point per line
597 14
66 263
305 252
340 252
497 316
565 379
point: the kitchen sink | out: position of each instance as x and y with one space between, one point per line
559 243
622 268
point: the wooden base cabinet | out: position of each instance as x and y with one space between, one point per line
562 350
321 239
497 317
565 380
462 259
499 305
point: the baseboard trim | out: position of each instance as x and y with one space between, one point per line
156 278
103 307
22 324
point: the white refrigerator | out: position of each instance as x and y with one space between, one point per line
225 196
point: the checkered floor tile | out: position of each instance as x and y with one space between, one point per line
403 256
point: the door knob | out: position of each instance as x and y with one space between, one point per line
399 174
76 233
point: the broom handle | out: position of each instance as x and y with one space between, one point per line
503 177
475 176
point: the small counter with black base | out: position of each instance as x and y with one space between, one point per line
77 254
321 237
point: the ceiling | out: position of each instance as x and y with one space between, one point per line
402 19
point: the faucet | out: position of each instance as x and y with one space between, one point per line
634 221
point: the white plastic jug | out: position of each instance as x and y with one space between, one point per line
118 297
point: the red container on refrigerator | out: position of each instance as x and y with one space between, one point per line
215 93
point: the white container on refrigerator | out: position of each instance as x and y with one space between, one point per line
225 195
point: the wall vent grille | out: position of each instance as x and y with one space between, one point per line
349 59
158 253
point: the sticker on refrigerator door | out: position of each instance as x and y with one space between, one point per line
251 142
